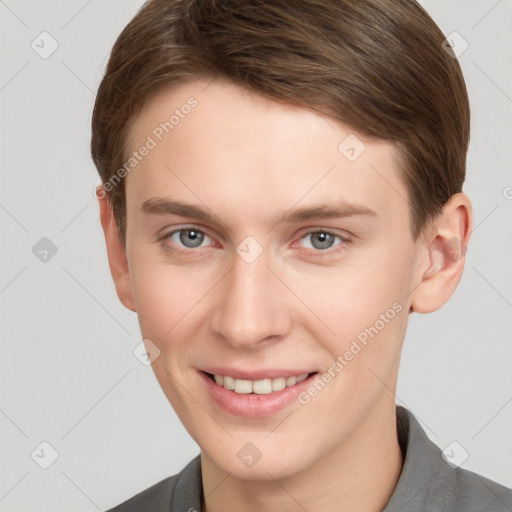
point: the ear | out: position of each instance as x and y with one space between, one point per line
445 246
117 260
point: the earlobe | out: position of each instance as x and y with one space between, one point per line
446 255
117 260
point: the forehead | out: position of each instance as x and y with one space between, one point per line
215 141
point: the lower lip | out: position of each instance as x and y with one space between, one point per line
251 405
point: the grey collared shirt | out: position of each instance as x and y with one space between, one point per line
427 482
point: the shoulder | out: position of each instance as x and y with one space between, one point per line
156 498
475 492
182 491
429 482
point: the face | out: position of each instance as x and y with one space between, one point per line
263 245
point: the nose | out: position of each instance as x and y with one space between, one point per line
251 307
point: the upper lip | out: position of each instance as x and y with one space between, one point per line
255 374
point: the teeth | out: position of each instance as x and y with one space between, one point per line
278 383
260 387
228 382
290 381
243 386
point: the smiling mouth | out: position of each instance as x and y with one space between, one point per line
257 387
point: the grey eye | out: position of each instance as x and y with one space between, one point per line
322 240
191 237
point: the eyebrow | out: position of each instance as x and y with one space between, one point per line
327 210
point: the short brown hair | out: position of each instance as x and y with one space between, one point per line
376 65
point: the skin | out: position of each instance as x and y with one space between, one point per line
249 160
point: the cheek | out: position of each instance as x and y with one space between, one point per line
359 303
355 294
167 296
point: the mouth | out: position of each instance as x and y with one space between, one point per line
257 387
257 398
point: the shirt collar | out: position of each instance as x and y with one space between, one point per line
426 479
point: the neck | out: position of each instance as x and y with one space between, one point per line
359 475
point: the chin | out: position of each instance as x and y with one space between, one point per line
266 463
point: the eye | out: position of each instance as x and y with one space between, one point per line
190 238
322 240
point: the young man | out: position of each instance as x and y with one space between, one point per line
281 189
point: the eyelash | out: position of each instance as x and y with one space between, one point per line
315 253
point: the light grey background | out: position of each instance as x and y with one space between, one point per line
68 373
